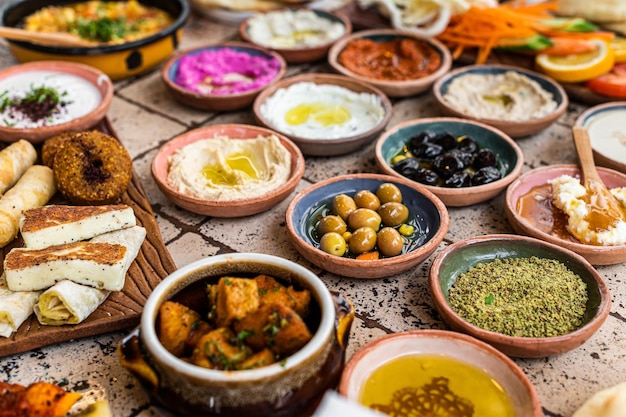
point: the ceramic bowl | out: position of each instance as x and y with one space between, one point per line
606 133
220 102
393 88
296 54
232 208
515 129
323 146
511 158
429 214
292 387
527 225
100 82
455 346
459 257
117 61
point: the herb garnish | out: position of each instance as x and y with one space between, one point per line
104 29
39 102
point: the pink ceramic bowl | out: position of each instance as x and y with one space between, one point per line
524 224
233 208
473 352
100 81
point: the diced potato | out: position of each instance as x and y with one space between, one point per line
176 323
236 297
259 359
273 292
218 350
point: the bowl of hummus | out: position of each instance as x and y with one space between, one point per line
517 101
229 170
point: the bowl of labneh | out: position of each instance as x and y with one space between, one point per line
240 334
228 170
461 161
366 225
324 114
222 77
517 101
543 203
607 133
524 296
299 35
45 98
400 63
125 38
420 371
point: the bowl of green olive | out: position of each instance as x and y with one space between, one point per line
366 225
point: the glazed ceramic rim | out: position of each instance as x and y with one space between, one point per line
347 383
222 45
178 22
324 79
339 46
150 311
499 338
445 191
500 68
429 245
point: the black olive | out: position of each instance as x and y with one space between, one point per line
468 144
407 167
447 141
425 136
445 165
485 158
428 150
457 180
464 157
486 175
426 176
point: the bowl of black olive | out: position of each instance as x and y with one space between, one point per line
460 161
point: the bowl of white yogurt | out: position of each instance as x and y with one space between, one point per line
44 98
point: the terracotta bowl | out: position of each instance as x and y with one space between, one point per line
292 387
327 147
511 158
392 88
93 76
427 211
218 102
298 55
456 346
233 208
524 224
117 61
515 129
459 257
609 149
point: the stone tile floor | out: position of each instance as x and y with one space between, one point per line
145 117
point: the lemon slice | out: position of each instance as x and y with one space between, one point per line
618 45
578 67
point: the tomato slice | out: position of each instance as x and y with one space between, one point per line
612 84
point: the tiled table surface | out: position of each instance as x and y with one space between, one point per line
145 117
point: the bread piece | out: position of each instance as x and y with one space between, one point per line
53 225
15 308
67 302
610 402
599 11
15 159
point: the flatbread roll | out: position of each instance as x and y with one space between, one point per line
33 189
15 159
68 303
15 308
610 402
599 11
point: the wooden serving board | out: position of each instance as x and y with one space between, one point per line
122 309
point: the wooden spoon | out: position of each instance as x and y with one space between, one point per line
52 39
604 209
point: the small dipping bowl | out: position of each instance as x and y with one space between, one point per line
459 257
236 67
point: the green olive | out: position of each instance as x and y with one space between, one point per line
388 192
367 199
343 206
331 223
390 242
347 236
363 240
393 214
363 217
333 243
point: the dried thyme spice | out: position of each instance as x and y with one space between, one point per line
528 297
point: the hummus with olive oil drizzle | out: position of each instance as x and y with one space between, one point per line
225 169
509 96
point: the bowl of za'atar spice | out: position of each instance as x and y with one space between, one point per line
526 297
